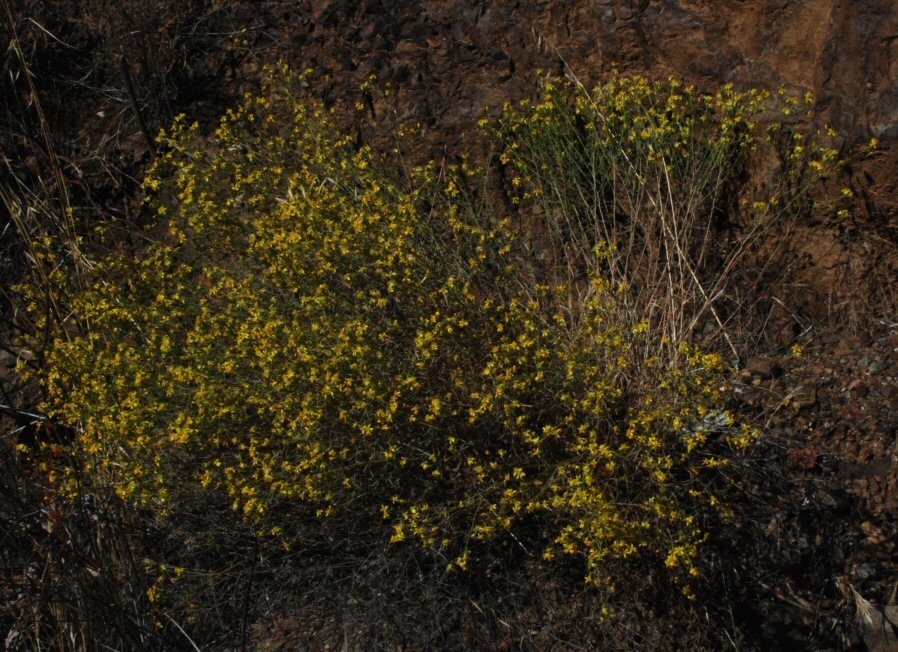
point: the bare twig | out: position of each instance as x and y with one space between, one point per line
135 106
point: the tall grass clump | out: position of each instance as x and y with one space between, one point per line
668 184
296 327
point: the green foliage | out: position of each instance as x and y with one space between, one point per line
300 328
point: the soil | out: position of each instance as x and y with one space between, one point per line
829 415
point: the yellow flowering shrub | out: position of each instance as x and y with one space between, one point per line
296 326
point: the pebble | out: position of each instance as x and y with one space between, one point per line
865 571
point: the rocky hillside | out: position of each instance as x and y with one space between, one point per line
85 81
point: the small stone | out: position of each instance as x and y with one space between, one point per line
827 499
763 367
806 458
804 397
865 571
874 534
843 349
890 393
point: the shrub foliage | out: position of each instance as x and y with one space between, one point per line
297 326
